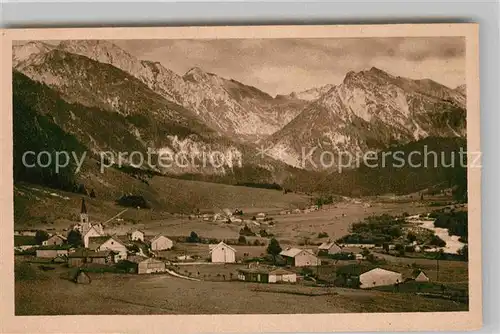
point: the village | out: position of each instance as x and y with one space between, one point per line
89 251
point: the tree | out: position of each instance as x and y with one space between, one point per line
437 241
242 240
365 252
274 248
464 252
75 238
193 238
92 193
386 247
41 236
411 237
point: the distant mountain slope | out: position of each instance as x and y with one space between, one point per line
369 110
102 130
196 149
311 94
21 53
228 106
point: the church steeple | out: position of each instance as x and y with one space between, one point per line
84 217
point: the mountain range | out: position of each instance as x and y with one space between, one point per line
110 100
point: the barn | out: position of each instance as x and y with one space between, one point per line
104 243
50 253
267 275
379 277
150 265
54 240
137 235
300 257
161 242
366 276
420 276
329 248
82 256
222 253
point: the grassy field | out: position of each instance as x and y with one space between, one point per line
56 211
47 294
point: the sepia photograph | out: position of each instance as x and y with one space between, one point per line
251 174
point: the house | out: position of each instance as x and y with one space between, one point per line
329 248
261 216
161 242
420 276
150 265
83 256
266 275
92 232
379 277
103 243
222 253
300 257
56 239
50 253
366 276
137 235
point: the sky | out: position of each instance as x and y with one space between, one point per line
281 66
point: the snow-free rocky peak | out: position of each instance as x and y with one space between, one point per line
370 110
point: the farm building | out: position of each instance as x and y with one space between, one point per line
261 216
136 235
51 253
366 276
420 276
379 277
150 265
222 253
329 248
300 257
161 242
99 244
143 265
82 256
266 275
54 240
60 259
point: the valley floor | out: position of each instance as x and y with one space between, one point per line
163 294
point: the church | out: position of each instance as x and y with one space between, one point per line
86 228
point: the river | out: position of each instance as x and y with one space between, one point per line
453 245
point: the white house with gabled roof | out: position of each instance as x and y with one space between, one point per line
222 253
